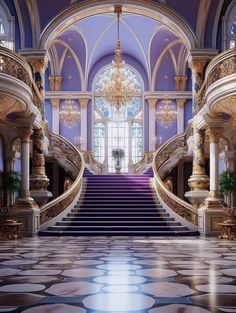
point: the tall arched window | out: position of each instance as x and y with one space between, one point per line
7 27
229 27
232 39
126 134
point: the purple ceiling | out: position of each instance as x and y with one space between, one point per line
93 39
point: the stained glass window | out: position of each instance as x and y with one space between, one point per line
126 134
99 142
136 103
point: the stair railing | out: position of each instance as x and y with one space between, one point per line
92 163
50 211
144 164
181 208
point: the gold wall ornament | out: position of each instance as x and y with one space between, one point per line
166 115
69 114
119 90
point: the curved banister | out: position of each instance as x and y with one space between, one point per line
221 66
142 164
179 206
13 65
93 164
58 205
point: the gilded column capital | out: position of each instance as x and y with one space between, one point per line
197 65
55 102
180 102
83 102
39 65
58 81
177 79
184 80
152 102
24 133
214 133
52 82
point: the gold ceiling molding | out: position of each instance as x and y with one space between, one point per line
146 8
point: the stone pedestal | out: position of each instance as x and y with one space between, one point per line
209 219
28 214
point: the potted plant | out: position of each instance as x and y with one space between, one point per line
118 154
10 183
227 182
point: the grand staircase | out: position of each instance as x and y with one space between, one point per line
118 205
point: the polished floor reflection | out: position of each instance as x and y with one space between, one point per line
118 274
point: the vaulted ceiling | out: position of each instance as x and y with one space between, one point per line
148 44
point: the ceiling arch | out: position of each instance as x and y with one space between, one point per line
149 9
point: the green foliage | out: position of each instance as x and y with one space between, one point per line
227 181
11 181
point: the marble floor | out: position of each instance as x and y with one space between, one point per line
117 274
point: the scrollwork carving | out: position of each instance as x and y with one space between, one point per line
11 67
222 69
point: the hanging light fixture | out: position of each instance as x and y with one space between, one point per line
167 114
69 114
119 89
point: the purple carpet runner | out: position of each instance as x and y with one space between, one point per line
118 205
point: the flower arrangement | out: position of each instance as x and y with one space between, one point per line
118 153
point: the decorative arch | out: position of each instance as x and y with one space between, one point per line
147 8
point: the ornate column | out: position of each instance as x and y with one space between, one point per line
152 123
38 60
27 210
214 136
198 181
83 122
25 134
38 180
211 212
198 70
55 115
180 115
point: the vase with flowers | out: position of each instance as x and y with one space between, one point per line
118 154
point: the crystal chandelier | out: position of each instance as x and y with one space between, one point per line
119 89
69 115
167 114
